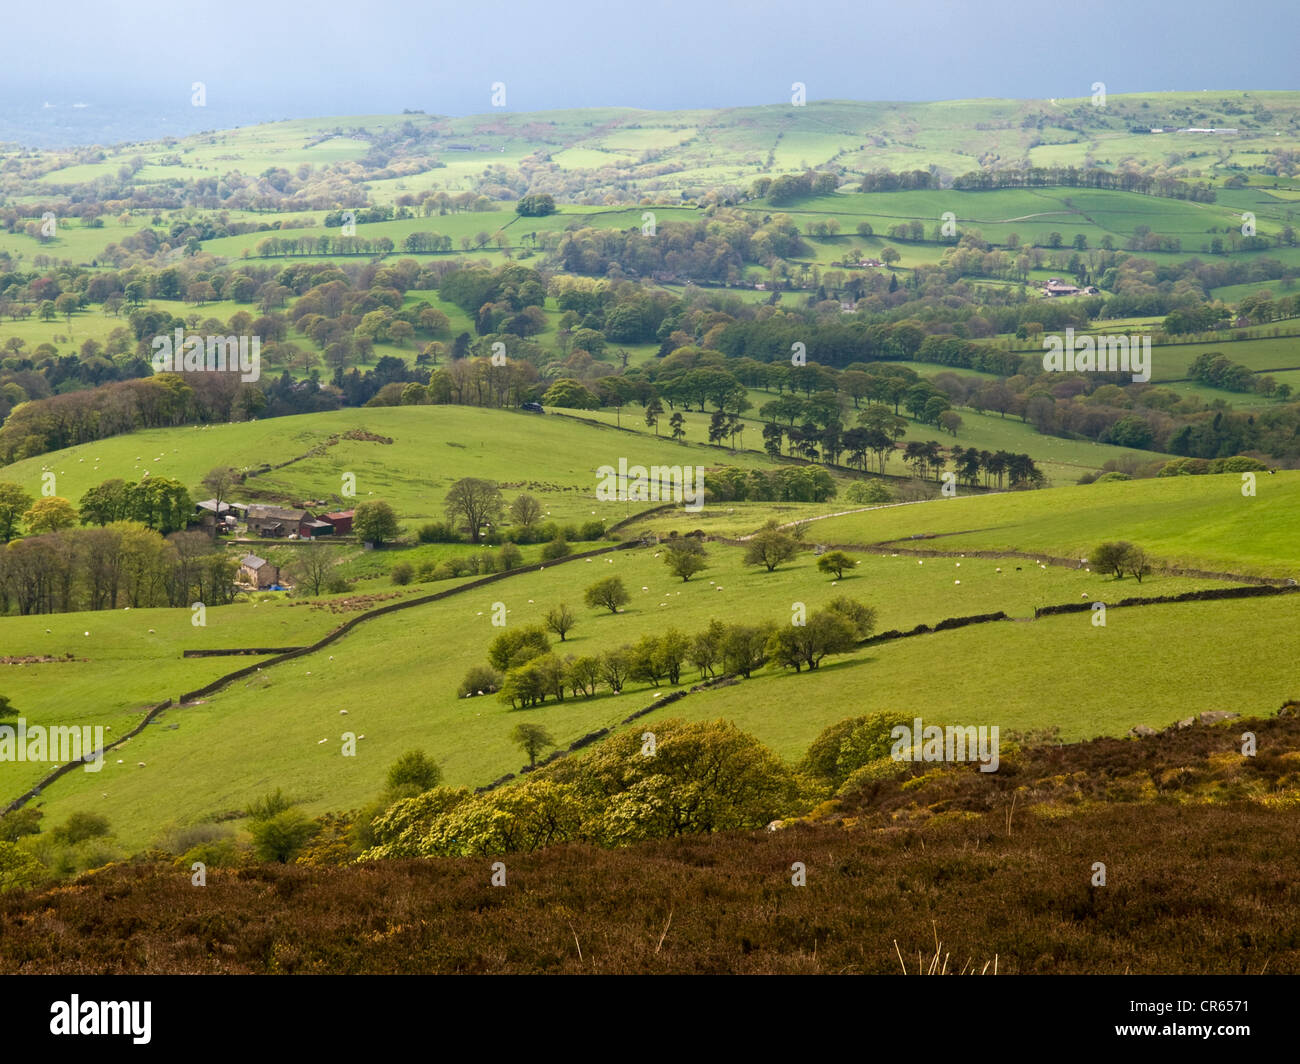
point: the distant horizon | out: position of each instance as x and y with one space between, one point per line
78 118
264 61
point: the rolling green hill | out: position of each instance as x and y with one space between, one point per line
1199 522
552 457
396 676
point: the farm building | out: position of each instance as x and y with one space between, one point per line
275 521
218 518
258 571
315 529
220 509
341 520
1060 288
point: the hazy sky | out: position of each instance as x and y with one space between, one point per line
325 57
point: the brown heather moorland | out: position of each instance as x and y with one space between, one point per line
1201 847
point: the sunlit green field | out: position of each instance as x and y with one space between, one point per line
396 677
554 458
1197 521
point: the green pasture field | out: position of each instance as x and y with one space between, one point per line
553 458
1201 522
396 677
1235 293
1150 665
124 660
458 225
1172 361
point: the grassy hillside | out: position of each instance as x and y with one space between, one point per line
433 446
397 677
1201 522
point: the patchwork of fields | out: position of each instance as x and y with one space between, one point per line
397 676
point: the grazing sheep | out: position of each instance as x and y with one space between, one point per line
956 581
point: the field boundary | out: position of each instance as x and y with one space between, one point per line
223 681
947 624
63 770
890 547
235 651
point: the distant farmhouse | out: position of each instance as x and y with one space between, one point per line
277 521
1057 287
258 572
